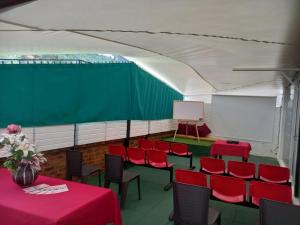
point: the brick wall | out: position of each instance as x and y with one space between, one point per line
93 154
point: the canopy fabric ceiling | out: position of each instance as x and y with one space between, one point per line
191 45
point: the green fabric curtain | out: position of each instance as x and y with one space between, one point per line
151 98
40 95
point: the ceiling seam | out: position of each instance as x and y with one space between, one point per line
117 42
248 85
166 33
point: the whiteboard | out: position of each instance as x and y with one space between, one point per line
243 117
188 110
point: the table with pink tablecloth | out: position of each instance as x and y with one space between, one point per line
221 147
81 205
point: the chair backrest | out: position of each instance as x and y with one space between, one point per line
145 144
180 148
157 157
191 177
244 170
277 213
191 204
273 174
276 192
229 189
74 163
162 146
117 150
114 168
212 165
136 154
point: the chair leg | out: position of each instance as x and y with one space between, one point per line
171 216
169 185
106 183
83 180
219 220
99 178
69 177
171 174
120 188
191 162
139 187
124 190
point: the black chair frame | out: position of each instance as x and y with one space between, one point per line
75 167
168 186
119 176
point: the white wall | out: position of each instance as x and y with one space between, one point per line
139 128
244 117
55 137
258 147
115 130
90 133
157 126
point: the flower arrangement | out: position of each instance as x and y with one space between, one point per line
21 151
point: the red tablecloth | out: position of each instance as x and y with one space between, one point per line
221 147
81 205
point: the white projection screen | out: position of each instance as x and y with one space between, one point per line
188 110
243 117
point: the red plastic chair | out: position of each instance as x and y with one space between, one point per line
212 165
136 156
158 159
276 192
228 189
180 149
145 144
191 177
273 174
162 146
117 150
244 170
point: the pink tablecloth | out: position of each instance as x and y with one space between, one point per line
81 205
221 147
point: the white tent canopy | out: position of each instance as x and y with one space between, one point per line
191 45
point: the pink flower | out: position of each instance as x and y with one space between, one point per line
13 129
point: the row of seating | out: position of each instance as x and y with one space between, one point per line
245 170
234 190
140 156
149 158
191 205
177 149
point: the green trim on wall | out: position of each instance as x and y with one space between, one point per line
42 95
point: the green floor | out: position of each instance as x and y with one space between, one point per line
156 204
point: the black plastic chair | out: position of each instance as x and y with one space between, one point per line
76 169
191 206
114 173
277 213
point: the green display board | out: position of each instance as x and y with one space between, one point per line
41 94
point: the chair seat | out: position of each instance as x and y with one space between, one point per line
161 165
227 198
129 175
163 150
250 176
137 161
273 180
182 153
88 169
213 216
220 172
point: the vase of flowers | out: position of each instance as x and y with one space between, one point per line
24 161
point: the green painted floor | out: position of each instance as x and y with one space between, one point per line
156 204
189 141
